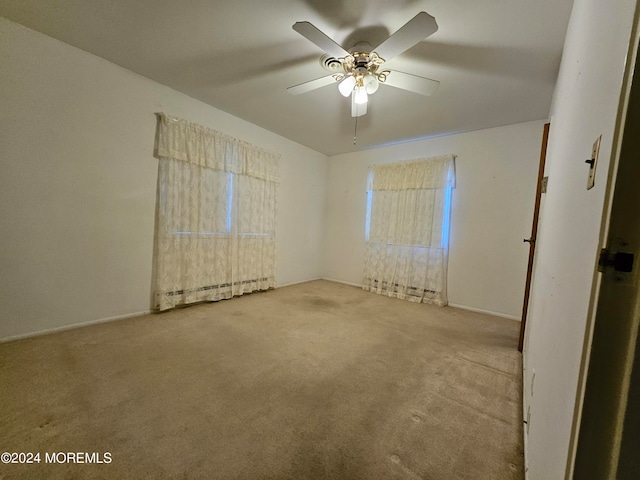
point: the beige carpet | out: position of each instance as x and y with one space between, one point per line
313 381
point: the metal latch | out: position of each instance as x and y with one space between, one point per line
620 261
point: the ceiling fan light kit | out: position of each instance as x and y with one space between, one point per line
361 77
346 86
361 73
360 95
371 84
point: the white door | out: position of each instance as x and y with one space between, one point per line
608 445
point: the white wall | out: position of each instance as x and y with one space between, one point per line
78 185
585 105
492 210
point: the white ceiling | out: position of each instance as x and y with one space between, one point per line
497 60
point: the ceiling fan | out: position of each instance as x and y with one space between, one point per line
359 71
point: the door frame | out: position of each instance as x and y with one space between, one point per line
534 234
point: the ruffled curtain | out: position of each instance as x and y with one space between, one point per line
407 248
216 215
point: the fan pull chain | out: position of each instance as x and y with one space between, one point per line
355 132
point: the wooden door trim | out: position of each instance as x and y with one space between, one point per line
534 233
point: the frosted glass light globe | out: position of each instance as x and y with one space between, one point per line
346 86
360 95
371 84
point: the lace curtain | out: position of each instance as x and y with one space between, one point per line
216 215
408 229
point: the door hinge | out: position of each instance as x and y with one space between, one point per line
620 261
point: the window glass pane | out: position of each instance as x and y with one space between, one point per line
254 200
204 210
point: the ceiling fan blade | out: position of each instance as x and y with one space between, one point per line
311 85
411 33
357 109
318 38
413 83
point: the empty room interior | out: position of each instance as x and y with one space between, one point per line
284 240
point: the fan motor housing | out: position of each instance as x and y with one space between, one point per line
361 68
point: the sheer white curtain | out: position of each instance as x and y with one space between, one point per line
408 229
216 215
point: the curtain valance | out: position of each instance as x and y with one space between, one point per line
435 172
192 143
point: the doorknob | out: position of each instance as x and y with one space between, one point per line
530 240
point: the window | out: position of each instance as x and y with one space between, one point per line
407 229
217 206
215 228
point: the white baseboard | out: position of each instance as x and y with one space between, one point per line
341 281
488 312
319 278
147 312
298 282
48 331
462 307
